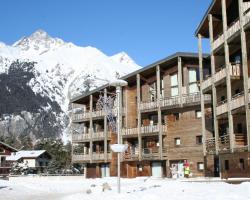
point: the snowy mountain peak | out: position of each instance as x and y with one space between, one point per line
38 42
124 58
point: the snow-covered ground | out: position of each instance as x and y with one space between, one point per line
75 188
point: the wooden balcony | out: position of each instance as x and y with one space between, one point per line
76 137
206 84
171 102
148 105
130 132
210 145
221 108
80 158
84 116
98 156
233 28
153 153
224 143
175 102
145 130
130 156
153 129
98 135
220 75
240 142
237 101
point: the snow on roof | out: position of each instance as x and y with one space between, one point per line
25 154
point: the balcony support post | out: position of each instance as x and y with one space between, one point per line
214 95
91 127
105 132
138 86
203 128
158 77
245 70
180 80
228 77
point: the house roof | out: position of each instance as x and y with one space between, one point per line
8 146
148 67
204 19
25 154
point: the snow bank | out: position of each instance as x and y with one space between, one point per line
75 188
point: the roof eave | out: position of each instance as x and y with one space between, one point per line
173 56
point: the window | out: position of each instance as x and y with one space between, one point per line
139 167
152 91
242 164
174 85
198 114
1 150
199 139
222 98
193 87
239 128
237 91
176 116
177 141
200 166
162 88
226 164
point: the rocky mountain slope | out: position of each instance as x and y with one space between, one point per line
38 76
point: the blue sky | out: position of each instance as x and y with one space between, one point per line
148 30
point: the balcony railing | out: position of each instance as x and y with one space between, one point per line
221 107
80 137
224 143
130 131
220 74
80 157
152 153
98 135
148 105
98 156
5 164
132 155
210 145
153 129
144 130
238 101
234 27
171 101
206 83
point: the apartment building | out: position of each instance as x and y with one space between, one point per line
226 24
161 122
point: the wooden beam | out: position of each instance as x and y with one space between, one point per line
203 128
214 97
158 78
228 77
245 70
138 88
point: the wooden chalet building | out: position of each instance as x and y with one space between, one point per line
5 151
227 26
161 124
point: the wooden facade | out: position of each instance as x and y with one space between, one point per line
227 26
5 150
161 124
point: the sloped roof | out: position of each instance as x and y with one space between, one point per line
25 154
8 146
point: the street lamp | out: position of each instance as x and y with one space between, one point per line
119 147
